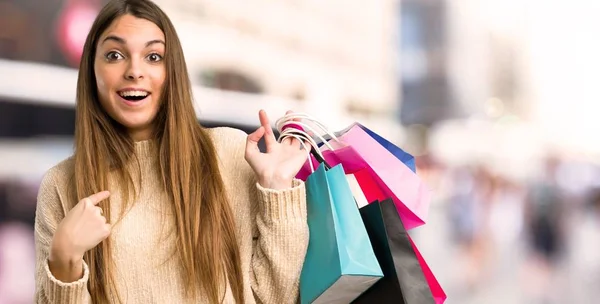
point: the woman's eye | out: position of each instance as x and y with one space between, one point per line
113 56
154 57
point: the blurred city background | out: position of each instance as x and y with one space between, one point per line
495 98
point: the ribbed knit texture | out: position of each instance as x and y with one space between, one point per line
271 228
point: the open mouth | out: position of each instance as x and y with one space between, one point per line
133 95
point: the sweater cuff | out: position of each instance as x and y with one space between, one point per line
67 293
283 204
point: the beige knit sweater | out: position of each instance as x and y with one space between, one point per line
271 227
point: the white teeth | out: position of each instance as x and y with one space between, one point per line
133 93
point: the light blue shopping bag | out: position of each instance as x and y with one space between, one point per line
340 262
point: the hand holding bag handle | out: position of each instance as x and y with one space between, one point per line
300 134
302 141
290 123
288 120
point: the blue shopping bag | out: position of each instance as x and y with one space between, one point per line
400 154
340 263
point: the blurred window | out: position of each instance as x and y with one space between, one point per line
41 31
230 81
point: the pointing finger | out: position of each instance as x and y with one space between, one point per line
98 197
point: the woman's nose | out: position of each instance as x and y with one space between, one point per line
134 71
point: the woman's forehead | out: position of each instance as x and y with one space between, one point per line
130 30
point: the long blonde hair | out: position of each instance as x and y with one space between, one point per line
206 240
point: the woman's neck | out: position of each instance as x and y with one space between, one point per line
145 148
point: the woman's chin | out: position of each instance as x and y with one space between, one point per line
138 130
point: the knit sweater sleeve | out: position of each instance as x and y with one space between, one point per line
279 248
272 224
49 213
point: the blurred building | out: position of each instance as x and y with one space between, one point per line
460 59
336 60
426 95
337 55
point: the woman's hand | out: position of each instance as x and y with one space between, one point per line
276 168
82 229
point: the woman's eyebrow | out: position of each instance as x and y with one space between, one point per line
151 42
115 39
123 41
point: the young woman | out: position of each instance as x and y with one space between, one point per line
152 207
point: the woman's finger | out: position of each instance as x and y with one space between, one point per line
253 139
98 197
268 134
287 141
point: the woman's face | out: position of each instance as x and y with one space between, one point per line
130 72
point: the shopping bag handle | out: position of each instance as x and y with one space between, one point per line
304 137
292 124
301 139
287 120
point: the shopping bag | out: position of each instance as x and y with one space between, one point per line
407 278
395 180
370 184
436 289
400 154
340 263
358 149
405 157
